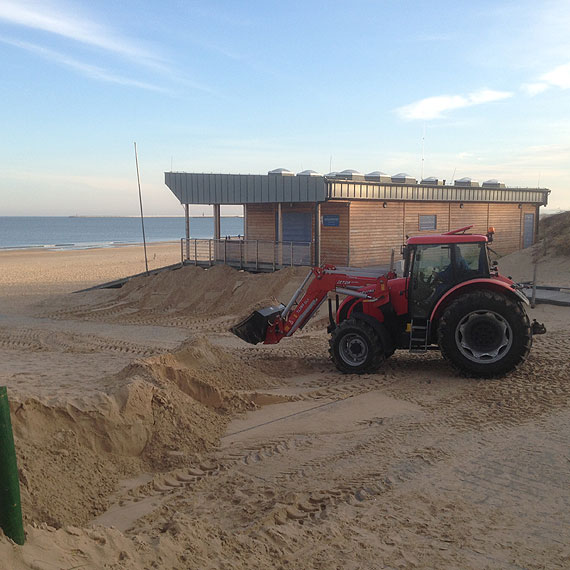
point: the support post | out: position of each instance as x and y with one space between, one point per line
533 296
279 237
317 234
10 507
187 217
217 230
217 224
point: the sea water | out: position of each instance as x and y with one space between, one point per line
78 232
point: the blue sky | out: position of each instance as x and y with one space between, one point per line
481 89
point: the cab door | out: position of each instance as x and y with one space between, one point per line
431 264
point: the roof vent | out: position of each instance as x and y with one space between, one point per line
280 172
378 176
466 182
432 181
403 178
492 183
308 173
350 174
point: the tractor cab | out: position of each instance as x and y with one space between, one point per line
436 263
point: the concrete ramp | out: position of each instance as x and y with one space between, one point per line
549 295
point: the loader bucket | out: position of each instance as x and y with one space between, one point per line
254 328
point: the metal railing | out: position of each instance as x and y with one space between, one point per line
246 254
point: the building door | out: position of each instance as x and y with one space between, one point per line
528 230
297 237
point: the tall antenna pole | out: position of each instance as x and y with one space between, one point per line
423 147
140 202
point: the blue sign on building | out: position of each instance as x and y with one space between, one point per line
331 221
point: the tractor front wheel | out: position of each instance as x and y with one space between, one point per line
355 348
485 334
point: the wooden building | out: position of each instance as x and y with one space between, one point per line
354 219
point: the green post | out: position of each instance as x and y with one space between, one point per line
10 507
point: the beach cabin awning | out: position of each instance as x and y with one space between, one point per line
238 189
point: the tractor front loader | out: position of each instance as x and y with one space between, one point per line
449 298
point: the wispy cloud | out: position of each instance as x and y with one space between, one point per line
91 71
533 89
558 77
48 18
435 107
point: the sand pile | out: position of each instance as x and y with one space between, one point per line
552 270
555 232
157 413
552 254
196 299
189 297
219 289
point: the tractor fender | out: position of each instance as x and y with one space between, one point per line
379 328
476 285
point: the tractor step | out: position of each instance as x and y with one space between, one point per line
419 335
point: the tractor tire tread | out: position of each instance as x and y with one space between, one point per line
518 320
377 350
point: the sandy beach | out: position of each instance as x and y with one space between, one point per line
39 271
149 437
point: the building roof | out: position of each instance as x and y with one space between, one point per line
192 188
199 188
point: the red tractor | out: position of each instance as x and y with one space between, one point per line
450 298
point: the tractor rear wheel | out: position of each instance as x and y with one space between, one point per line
485 334
355 348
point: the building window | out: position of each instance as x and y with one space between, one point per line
428 223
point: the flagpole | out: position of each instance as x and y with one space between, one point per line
141 205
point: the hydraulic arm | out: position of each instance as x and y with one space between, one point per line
271 324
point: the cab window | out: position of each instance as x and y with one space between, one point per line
475 262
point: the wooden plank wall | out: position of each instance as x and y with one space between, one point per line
261 221
335 240
412 217
374 231
367 232
476 215
507 221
